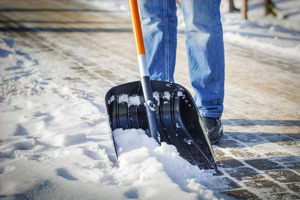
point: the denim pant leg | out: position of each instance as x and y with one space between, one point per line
159 25
205 50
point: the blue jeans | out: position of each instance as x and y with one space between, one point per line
204 42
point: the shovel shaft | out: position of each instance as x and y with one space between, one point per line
136 26
150 107
144 74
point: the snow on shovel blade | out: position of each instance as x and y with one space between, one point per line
177 118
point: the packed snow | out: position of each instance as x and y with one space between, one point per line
56 141
130 100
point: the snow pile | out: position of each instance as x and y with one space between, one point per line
157 170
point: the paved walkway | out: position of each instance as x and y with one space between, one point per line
259 155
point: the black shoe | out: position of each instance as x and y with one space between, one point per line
214 128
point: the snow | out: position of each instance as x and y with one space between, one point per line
56 141
130 100
154 168
276 35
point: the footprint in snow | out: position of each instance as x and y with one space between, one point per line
132 194
45 116
63 172
92 155
25 145
20 131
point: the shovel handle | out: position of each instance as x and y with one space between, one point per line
144 74
136 26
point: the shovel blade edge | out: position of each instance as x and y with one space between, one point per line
177 118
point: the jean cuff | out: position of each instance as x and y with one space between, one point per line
210 114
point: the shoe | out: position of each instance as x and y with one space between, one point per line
214 128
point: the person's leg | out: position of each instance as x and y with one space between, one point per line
204 41
159 26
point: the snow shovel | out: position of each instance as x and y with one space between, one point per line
166 111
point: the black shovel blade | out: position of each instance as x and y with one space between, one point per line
177 118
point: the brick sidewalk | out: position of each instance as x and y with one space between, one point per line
252 173
259 155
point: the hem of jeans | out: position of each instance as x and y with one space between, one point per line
210 114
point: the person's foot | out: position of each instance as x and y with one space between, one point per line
214 128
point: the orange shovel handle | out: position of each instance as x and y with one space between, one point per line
136 26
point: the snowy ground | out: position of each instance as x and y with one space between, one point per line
55 138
